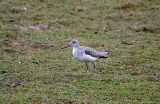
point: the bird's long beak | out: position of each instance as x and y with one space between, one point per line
66 46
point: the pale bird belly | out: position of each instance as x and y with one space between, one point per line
87 58
83 57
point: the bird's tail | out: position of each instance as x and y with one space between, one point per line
104 55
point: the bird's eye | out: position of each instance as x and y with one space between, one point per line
73 42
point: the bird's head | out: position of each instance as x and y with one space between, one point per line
73 43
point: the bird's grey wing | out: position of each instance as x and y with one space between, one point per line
94 53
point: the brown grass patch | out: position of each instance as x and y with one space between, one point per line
146 28
130 5
35 27
126 6
130 43
157 7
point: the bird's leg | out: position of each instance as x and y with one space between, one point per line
86 69
94 68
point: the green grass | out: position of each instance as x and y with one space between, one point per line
33 69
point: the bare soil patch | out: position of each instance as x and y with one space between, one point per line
35 27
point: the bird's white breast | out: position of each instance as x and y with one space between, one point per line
82 57
75 53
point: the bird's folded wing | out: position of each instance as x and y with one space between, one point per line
92 53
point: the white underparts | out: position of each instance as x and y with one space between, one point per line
82 57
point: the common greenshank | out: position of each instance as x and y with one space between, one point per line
85 54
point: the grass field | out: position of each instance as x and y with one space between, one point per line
33 69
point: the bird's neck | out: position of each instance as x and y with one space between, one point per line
75 47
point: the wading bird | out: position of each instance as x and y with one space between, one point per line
85 54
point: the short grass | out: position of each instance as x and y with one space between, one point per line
33 69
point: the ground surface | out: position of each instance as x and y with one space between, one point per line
34 70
